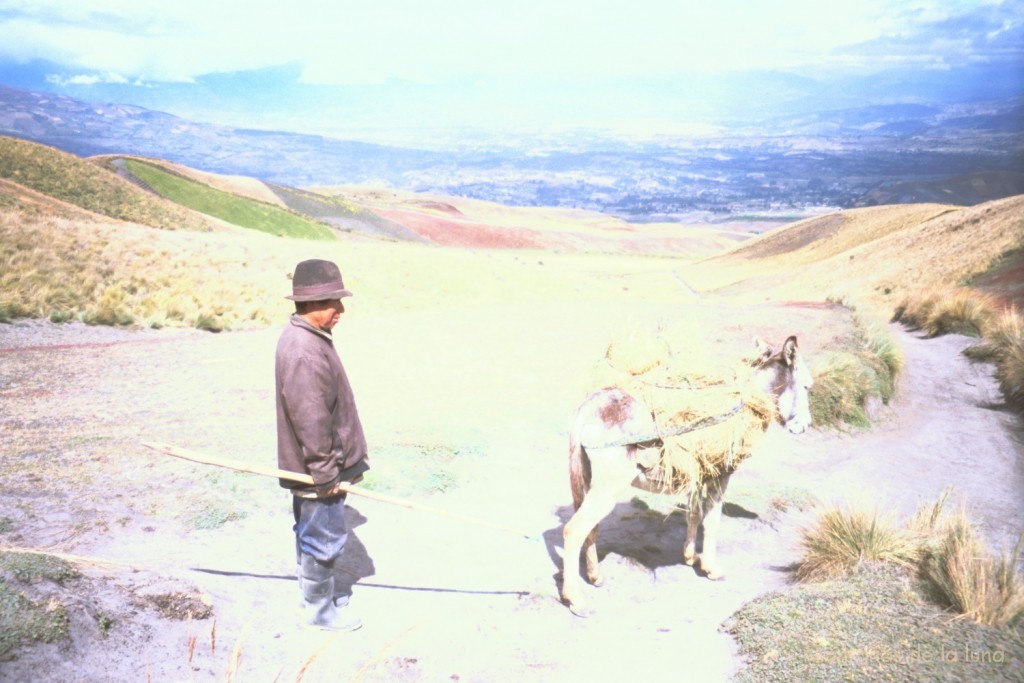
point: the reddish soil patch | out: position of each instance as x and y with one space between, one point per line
1005 283
814 305
465 233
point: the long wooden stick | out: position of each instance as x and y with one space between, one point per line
240 466
237 465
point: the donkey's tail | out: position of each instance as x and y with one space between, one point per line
579 465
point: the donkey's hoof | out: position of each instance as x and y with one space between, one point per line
689 560
712 570
596 580
580 609
796 426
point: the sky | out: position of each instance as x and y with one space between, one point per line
449 62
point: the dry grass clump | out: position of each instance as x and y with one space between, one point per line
963 577
965 313
958 572
847 380
1004 345
705 404
1004 332
842 540
914 311
960 312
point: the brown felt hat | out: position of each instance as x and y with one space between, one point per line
317 280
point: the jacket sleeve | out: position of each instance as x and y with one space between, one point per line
307 393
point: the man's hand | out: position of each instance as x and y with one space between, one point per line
336 489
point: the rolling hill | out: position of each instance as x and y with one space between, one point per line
878 254
137 189
242 211
78 182
75 253
58 207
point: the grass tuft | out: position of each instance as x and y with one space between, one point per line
843 540
915 309
963 312
957 570
966 312
1004 346
963 577
847 380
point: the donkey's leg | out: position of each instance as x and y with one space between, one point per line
612 473
601 509
712 521
694 517
580 530
593 565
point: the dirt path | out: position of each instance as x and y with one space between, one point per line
441 600
948 428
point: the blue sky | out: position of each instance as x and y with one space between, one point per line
338 65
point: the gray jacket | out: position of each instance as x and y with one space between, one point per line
318 427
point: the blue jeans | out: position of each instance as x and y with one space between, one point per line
320 528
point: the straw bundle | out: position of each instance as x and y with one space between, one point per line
714 403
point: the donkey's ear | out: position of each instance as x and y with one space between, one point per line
762 348
789 350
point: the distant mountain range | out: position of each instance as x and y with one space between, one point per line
782 165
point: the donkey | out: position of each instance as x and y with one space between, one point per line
600 475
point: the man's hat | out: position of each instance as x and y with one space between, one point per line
317 280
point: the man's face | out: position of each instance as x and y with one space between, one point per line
325 314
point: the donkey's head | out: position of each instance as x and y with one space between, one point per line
784 373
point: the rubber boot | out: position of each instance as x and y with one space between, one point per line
342 586
317 584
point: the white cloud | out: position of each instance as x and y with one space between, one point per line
86 79
359 41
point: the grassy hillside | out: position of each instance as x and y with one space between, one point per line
241 185
76 181
111 273
878 255
235 209
57 263
20 198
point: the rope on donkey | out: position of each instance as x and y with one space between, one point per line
653 437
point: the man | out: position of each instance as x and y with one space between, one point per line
318 433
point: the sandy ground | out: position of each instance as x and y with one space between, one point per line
441 600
